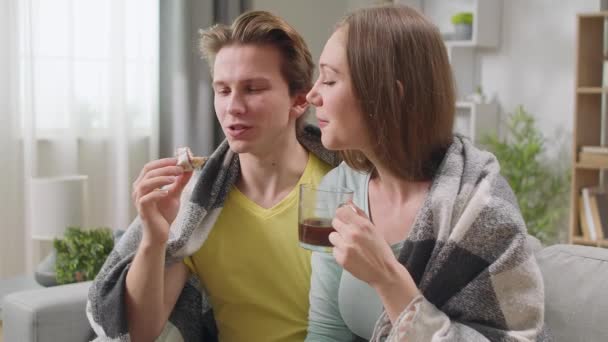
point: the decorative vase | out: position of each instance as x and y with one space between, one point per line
45 271
463 32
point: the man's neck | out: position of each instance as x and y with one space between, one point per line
267 179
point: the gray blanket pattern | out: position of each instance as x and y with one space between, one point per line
467 252
201 206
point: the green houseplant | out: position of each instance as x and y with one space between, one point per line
463 25
81 253
540 187
462 18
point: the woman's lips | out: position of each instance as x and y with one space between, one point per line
322 123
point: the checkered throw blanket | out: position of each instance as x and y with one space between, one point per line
202 202
467 252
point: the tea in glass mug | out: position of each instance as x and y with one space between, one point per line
316 210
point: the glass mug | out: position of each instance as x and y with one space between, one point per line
316 210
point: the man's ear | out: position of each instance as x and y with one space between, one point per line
299 105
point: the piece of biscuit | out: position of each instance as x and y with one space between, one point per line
187 160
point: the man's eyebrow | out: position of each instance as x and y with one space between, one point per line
256 79
325 65
247 80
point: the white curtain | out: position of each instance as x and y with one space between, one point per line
79 95
11 170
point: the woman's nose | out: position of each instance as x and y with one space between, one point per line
313 97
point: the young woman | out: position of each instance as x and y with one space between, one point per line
433 247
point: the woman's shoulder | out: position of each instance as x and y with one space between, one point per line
344 176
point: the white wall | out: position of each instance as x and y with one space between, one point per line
535 63
313 24
313 19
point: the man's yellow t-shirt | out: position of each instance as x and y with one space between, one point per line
253 269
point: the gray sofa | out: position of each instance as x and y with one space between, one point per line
576 293
47 314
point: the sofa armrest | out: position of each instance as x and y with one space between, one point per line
50 314
576 301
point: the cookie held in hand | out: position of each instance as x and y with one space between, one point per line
187 160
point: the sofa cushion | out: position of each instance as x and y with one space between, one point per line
576 292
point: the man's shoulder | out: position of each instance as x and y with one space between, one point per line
309 136
318 165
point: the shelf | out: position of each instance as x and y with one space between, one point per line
579 240
464 104
587 167
594 14
460 43
486 19
590 166
591 90
473 120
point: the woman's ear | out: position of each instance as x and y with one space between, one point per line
299 106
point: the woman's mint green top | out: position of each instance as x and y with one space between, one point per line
342 307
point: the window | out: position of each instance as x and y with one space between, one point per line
86 63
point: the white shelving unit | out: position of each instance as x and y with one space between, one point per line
472 119
475 119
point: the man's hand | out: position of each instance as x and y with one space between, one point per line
156 195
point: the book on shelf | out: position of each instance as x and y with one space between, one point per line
593 158
595 149
593 208
583 220
605 71
602 205
588 215
595 215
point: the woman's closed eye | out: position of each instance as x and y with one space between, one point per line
329 83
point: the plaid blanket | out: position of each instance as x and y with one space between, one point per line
467 252
192 315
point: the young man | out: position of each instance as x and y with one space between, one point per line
238 232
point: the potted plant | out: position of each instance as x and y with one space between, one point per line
540 187
81 253
463 25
